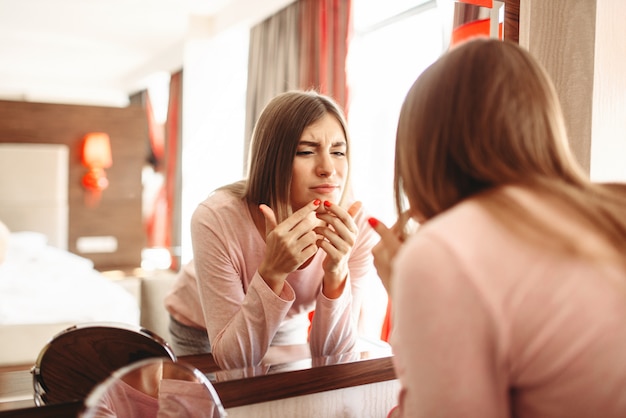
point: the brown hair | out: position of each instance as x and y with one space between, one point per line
487 115
274 143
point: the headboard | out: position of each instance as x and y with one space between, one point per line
118 213
34 190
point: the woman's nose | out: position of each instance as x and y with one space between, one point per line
325 166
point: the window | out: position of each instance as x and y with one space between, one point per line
390 48
214 102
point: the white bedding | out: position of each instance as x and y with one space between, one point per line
41 284
43 288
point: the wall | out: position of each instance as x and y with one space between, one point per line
560 34
581 45
608 122
118 213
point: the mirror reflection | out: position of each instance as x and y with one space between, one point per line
370 109
78 358
293 269
296 358
154 388
205 162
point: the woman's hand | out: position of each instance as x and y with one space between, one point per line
338 237
387 248
288 244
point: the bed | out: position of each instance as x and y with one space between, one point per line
43 287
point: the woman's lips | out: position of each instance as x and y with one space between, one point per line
325 189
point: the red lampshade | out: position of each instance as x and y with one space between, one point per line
96 156
97 150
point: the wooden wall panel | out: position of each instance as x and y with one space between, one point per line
511 20
119 212
561 35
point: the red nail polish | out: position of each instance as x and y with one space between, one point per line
373 222
317 202
327 203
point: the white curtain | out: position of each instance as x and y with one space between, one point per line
273 65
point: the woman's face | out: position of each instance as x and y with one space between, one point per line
320 166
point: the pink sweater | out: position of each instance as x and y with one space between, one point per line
175 398
487 326
240 312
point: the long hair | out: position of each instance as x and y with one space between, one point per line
274 143
487 115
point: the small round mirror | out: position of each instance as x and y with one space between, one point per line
81 356
151 388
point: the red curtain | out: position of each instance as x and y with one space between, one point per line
482 3
386 330
472 29
326 29
155 131
472 18
155 219
161 229
172 164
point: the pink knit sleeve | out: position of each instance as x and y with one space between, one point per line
240 322
335 324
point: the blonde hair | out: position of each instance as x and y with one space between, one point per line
487 115
273 147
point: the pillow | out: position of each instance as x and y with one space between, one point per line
25 245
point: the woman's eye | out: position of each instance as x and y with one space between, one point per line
339 153
304 152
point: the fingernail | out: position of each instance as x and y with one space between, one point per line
327 203
317 202
373 222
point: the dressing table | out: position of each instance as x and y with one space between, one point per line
291 383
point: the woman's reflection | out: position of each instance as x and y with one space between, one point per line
270 249
154 388
292 358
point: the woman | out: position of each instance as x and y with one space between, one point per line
286 241
510 298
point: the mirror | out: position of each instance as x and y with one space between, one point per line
282 359
378 137
78 358
154 388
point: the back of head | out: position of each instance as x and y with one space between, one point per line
487 115
484 115
274 143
